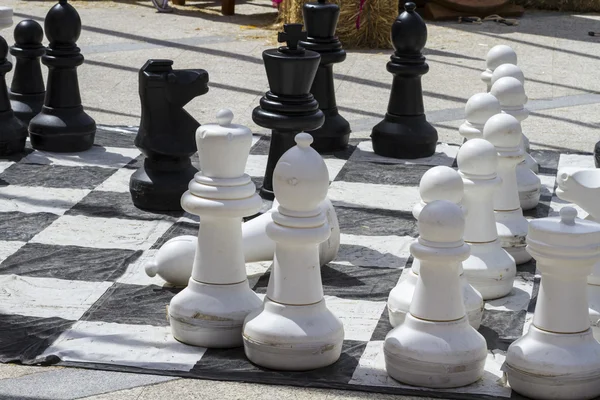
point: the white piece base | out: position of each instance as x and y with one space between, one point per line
6 17
401 296
550 366
435 354
529 186
594 303
293 338
211 315
512 231
490 270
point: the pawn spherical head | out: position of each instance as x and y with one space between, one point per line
62 25
509 92
505 70
3 49
441 183
441 221
301 178
480 107
498 55
477 157
503 131
28 33
224 117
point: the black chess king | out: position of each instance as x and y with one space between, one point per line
288 108
405 132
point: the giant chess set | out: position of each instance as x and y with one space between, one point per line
396 264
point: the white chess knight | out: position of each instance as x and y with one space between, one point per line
6 17
512 97
581 186
504 132
210 311
438 183
498 55
558 358
479 108
174 260
435 346
294 329
489 268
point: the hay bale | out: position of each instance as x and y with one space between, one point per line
376 21
562 5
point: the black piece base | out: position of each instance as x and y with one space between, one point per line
65 130
597 155
407 137
26 106
160 190
333 135
13 134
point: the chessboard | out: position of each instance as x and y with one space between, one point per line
73 290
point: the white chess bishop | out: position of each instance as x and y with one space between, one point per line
512 97
558 358
435 346
489 268
479 108
6 17
294 329
438 183
582 187
498 55
504 132
210 311
174 260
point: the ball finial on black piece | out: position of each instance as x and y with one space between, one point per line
29 33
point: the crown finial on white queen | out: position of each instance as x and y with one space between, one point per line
479 108
498 55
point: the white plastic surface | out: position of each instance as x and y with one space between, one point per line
498 55
6 17
479 108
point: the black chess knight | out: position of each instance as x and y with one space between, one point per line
288 108
167 134
320 20
62 126
405 132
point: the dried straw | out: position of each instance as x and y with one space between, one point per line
376 21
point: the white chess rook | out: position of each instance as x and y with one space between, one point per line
479 108
582 187
504 132
558 358
436 347
512 97
294 329
498 55
438 183
210 311
489 268
174 260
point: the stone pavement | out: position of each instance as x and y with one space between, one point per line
559 59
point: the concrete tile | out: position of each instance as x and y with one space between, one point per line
8 371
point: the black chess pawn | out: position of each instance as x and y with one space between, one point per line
288 108
597 155
405 132
62 126
320 21
13 132
27 90
166 136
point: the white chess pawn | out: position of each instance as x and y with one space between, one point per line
294 329
436 347
174 260
489 268
479 108
558 358
511 70
512 97
6 17
504 132
210 311
498 55
581 186
438 183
